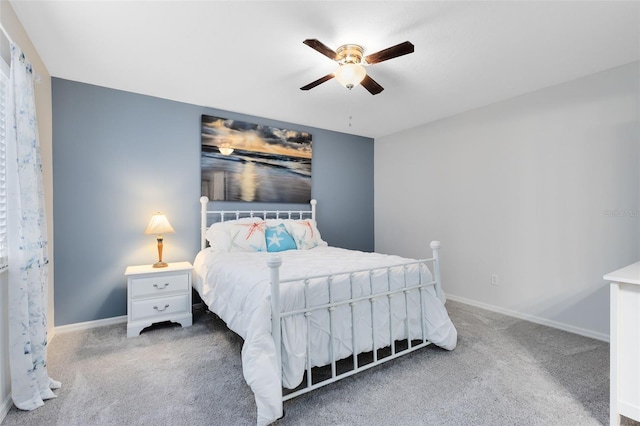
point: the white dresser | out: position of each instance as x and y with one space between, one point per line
625 343
158 294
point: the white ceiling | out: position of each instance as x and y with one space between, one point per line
248 57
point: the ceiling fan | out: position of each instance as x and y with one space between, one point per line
350 71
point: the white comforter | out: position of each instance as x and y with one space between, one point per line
235 286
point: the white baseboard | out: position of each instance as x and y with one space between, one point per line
532 318
61 329
5 407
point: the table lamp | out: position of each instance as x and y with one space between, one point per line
159 225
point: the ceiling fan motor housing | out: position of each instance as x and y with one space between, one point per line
349 54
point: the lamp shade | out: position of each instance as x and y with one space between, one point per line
159 225
350 75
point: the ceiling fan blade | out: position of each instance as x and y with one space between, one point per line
317 82
371 85
320 47
390 53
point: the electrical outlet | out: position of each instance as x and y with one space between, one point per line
495 279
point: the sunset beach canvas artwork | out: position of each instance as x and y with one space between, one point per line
242 161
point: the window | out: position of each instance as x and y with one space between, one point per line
4 82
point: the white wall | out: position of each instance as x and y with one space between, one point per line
13 26
525 189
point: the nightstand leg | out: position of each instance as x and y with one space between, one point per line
185 322
133 331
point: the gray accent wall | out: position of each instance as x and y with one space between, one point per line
119 157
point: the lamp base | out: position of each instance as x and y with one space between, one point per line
160 265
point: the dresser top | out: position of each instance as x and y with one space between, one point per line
629 274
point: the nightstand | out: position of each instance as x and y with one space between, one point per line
158 294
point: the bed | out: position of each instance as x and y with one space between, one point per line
299 303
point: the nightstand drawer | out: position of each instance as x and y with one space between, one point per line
159 285
158 307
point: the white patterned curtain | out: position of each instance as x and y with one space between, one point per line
28 269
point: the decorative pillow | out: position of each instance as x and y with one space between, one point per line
305 233
247 234
278 239
218 236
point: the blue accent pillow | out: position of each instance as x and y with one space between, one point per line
278 239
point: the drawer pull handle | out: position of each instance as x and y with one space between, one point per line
161 310
163 287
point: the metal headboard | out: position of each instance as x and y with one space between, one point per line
222 215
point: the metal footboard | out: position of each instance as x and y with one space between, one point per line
308 311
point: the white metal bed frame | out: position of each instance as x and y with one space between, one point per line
277 315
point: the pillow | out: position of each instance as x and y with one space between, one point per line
278 239
247 234
218 237
305 233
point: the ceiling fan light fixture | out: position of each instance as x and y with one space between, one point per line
350 75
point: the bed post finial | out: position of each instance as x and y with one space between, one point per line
435 246
204 203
